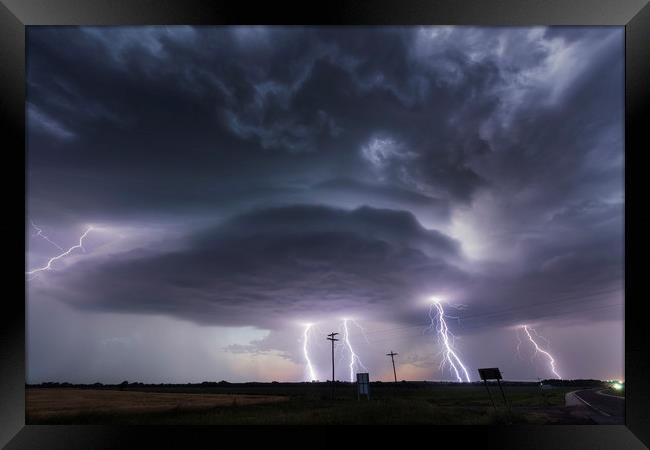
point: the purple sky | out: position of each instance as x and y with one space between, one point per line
242 182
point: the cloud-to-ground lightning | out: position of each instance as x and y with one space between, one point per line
519 342
363 331
354 358
437 316
39 232
305 348
538 349
52 260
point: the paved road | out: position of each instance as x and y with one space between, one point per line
607 405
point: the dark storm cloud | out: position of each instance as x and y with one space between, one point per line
153 108
383 195
267 267
517 130
565 275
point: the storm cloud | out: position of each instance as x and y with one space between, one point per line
273 264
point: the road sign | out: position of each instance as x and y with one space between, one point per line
492 373
363 385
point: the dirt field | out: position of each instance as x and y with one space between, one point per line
47 403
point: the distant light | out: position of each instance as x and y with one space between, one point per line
617 386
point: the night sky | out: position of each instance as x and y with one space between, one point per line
242 182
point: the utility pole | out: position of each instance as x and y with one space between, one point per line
333 339
392 358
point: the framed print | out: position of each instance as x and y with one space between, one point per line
259 220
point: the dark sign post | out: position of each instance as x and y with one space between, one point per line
489 374
493 373
541 390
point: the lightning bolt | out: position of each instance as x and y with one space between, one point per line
48 266
39 232
548 343
518 355
340 356
437 316
363 331
305 349
354 358
540 350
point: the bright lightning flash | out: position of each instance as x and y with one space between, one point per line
538 349
354 358
48 266
444 335
305 349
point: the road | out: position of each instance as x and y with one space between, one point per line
605 404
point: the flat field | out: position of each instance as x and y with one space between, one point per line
301 403
67 404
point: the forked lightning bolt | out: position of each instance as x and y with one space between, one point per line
354 358
438 322
305 349
538 349
39 232
48 266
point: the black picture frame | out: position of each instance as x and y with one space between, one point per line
634 15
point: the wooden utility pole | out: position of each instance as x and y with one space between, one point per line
333 339
392 358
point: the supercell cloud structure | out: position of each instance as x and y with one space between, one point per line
252 178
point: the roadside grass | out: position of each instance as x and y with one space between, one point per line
516 396
610 391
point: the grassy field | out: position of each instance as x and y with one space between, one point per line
299 403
